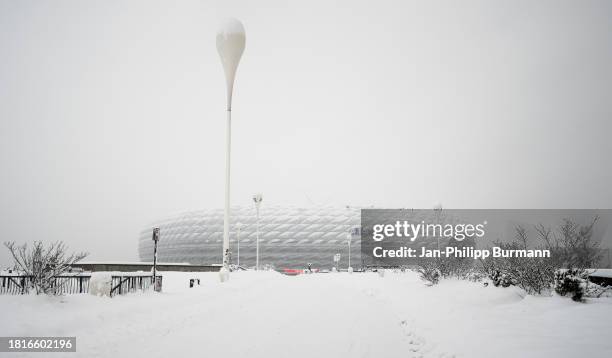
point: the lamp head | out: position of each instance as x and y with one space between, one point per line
231 41
155 234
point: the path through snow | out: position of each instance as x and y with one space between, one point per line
267 315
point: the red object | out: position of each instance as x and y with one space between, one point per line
292 272
295 272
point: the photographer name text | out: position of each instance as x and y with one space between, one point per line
457 252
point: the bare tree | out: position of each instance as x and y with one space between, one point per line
43 264
573 246
521 236
546 235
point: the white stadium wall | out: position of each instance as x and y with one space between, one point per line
290 237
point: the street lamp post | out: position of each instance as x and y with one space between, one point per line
231 40
257 198
348 238
238 228
155 240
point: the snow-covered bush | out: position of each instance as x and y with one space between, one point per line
594 290
429 273
571 282
500 279
474 275
534 275
43 264
571 246
434 269
453 266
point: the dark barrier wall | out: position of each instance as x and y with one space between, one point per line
146 267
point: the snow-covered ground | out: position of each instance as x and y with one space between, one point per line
265 314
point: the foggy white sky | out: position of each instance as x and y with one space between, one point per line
112 112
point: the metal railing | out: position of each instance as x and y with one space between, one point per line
122 285
14 285
75 284
64 285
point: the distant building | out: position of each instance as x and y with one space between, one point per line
290 237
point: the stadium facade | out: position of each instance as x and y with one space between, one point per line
289 237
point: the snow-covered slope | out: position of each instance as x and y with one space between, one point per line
265 314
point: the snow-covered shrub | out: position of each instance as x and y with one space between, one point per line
100 283
533 274
570 282
594 290
500 279
434 269
573 245
453 266
429 273
43 264
474 275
